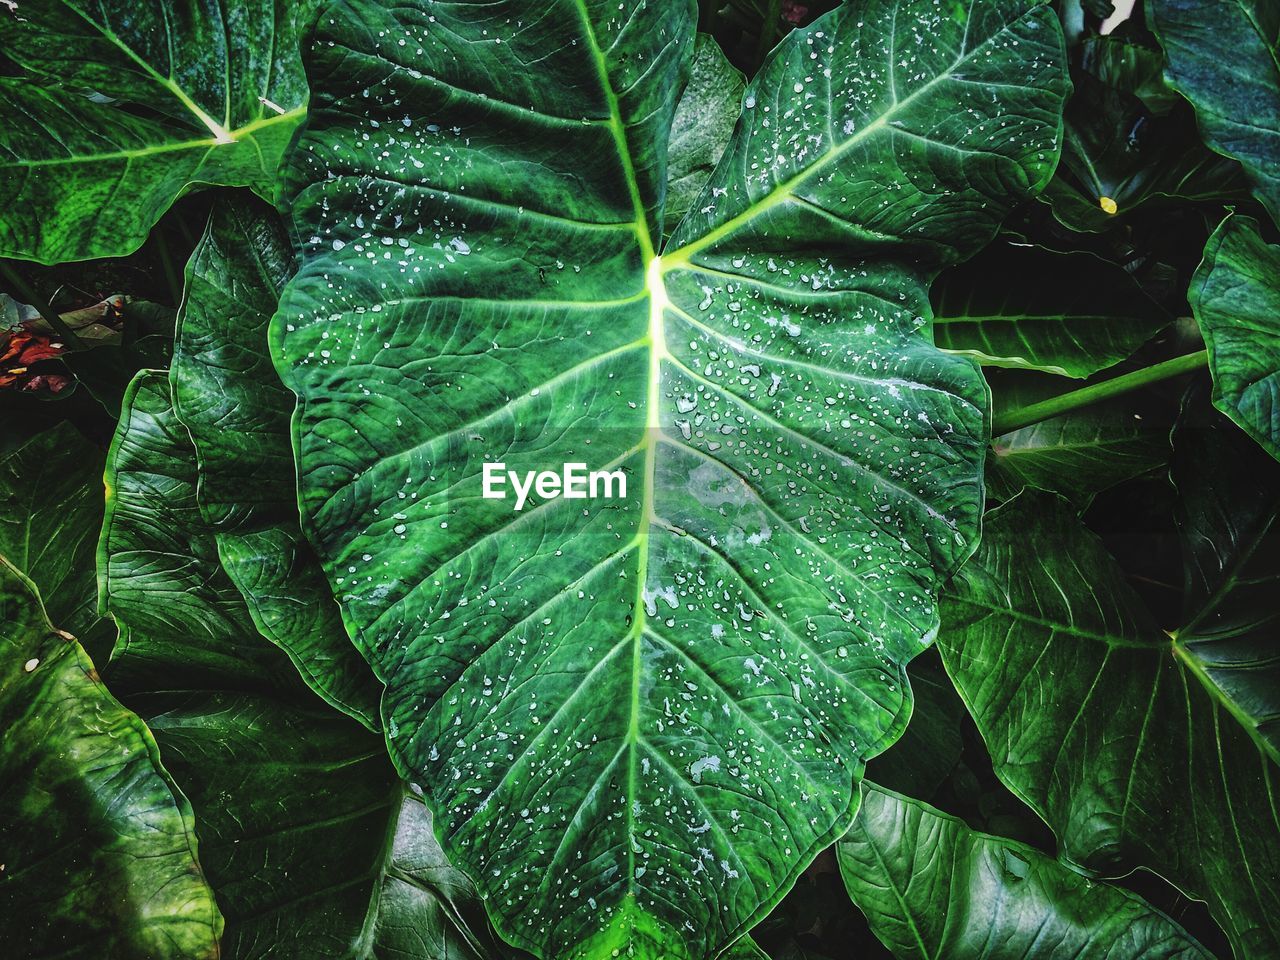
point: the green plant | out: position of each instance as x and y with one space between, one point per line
879 357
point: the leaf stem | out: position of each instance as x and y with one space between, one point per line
50 315
1021 417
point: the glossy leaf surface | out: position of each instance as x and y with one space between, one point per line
582 687
931 887
186 93
1236 301
1030 308
1225 58
99 851
227 395
1105 727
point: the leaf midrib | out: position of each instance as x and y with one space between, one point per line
219 130
657 347
1070 629
176 146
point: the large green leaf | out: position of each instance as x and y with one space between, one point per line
931 888
310 841
1228 521
50 514
1109 729
1224 56
99 854
1028 307
185 93
1235 295
226 393
637 719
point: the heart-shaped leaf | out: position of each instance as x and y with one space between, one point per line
188 93
1117 735
931 887
637 718
99 851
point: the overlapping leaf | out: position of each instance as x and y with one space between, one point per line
1121 739
227 395
158 571
638 718
128 103
931 887
311 842
99 852
931 746
1133 67
314 846
703 122
1076 454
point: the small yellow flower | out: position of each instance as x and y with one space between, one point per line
1107 204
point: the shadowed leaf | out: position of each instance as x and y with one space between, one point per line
99 853
931 887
